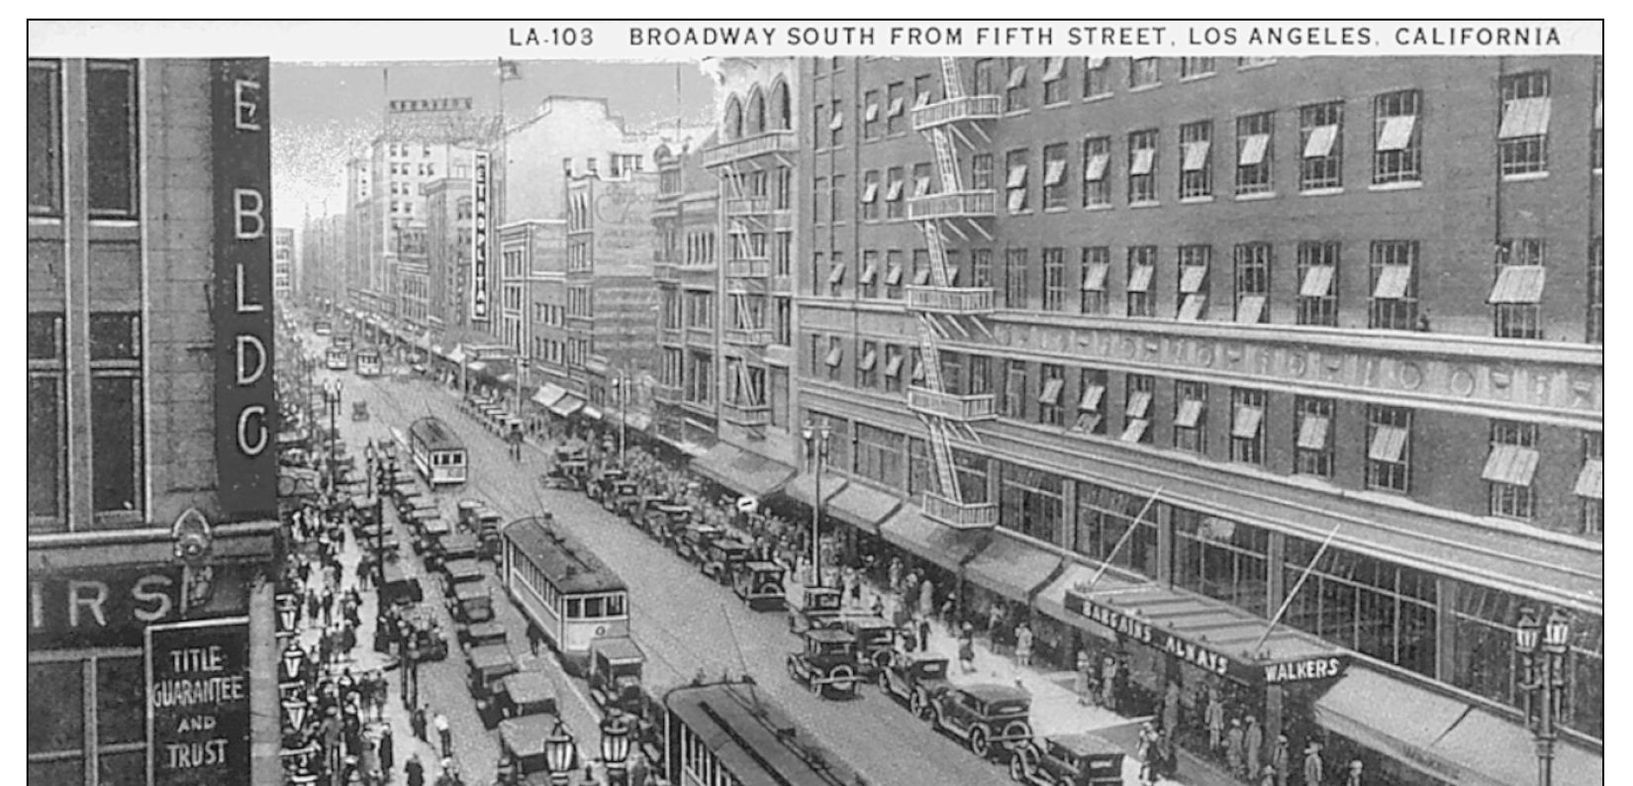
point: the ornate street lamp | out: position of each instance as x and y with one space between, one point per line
560 754
1542 649
615 731
816 440
331 398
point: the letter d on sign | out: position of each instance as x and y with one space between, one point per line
245 343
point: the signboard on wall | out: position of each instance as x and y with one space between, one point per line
479 237
245 410
199 703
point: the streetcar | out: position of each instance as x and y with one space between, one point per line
337 359
322 327
342 341
368 362
565 591
731 732
438 454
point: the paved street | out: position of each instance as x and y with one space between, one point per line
684 621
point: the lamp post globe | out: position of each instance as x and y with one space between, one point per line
1527 631
560 753
615 744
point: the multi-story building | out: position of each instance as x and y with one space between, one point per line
321 265
152 491
283 264
744 296
567 136
529 272
1277 339
686 219
448 226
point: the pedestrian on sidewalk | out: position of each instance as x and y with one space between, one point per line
1108 683
878 606
1268 778
927 597
328 606
1313 769
1281 759
418 722
1216 720
1170 710
388 751
444 734
1080 680
414 770
895 574
1235 747
966 652
1354 776
1255 744
924 634
1023 645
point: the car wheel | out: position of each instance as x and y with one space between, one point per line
919 705
978 742
1017 768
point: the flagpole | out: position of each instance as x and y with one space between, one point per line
1288 601
1134 525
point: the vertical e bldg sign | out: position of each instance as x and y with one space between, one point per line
246 412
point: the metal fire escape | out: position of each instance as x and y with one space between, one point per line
744 263
943 310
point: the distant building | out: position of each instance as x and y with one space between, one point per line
283 264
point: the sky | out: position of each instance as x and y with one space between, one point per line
325 113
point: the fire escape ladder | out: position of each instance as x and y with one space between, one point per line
945 473
938 255
950 82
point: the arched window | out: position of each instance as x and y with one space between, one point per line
781 111
734 119
756 111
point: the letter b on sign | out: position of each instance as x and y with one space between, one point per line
247 206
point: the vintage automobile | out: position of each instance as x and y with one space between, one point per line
760 585
523 693
488 665
637 513
1067 760
875 641
815 607
693 543
724 556
569 469
827 665
666 520
990 718
522 750
624 497
615 674
482 634
420 623
467 512
360 410
461 571
401 585
915 678
601 484
470 603
430 531
451 547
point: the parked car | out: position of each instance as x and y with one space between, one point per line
827 664
816 607
915 678
760 585
615 674
724 556
991 719
1067 760
875 642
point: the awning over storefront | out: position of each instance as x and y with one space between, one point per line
567 405
457 355
862 506
742 471
591 411
802 488
1012 568
548 395
946 547
1445 737
1052 599
640 421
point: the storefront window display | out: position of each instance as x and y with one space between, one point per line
1484 656
1103 515
1221 558
1374 607
1030 502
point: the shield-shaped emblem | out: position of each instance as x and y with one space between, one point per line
292 660
288 612
295 713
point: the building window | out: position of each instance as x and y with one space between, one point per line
1318 277
1590 483
1015 164
1222 559
981 268
896 115
1321 159
894 206
1096 77
111 134
819 196
879 455
1196 161
1096 177
1142 167
836 123
104 693
1190 67
1312 436
1394 305
922 181
1522 138
981 171
1054 176
1193 282
1142 266
1252 283
1517 291
44 137
924 91
837 201
1247 425
1096 262
819 121
1015 284
893 368
1596 291
783 311
1254 153
1016 383
835 356
1090 417
1054 279
1190 416
1389 448
893 274
921 267
782 196
870 115
986 82
116 406
1143 72
1380 609
1104 516
1510 466
47 432
1054 80
867 365
867 281
1015 98
1598 153
1030 502
836 275
1052 387
1396 136
1137 408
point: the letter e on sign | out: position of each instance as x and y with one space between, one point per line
247 104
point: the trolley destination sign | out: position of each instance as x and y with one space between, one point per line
198 702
